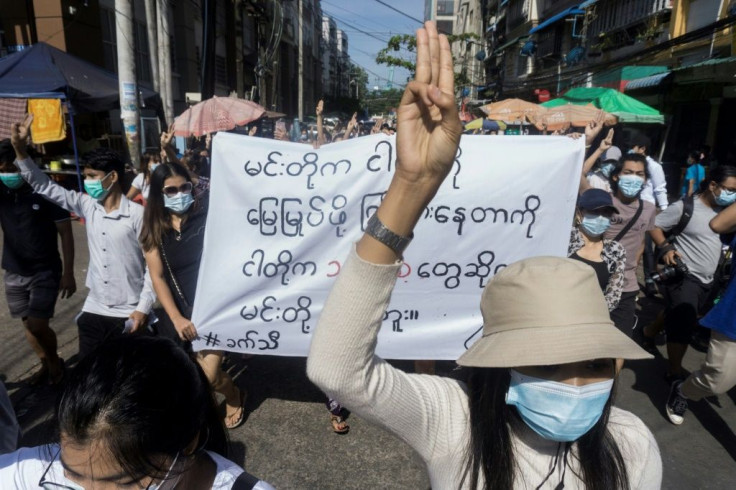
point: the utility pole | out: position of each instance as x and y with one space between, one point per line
151 24
128 85
300 108
239 76
164 59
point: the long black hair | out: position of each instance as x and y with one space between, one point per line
146 400
490 454
156 218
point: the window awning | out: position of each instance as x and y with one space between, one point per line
556 18
509 44
647 82
586 4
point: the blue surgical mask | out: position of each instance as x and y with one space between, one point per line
95 189
557 411
595 225
630 185
606 169
154 166
725 198
180 203
12 180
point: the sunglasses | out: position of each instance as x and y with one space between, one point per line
172 190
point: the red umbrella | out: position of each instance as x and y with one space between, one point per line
216 114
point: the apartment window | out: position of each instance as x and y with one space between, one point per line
109 47
220 70
444 26
142 59
445 7
701 13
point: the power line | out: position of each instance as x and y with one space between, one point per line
361 16
358 29
399 11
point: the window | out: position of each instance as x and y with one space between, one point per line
109 46
445 7
444 26
220 70
142 59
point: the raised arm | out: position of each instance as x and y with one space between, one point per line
166 138
72 201
342 359
725 221
606 143
320 131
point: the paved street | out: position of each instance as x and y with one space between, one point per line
287 439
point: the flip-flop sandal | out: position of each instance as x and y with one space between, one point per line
336 420
241 417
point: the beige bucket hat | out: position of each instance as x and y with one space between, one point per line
545 311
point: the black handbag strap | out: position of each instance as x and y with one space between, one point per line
631 222
245 481
179 292
688 204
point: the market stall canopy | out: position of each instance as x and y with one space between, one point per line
44 72
511 110
627 109
216 114
563 116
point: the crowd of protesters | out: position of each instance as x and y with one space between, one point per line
536 408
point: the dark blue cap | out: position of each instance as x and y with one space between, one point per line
595 199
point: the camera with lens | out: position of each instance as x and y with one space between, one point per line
671 271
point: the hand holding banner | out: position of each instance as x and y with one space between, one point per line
282 217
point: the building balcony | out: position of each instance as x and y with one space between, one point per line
620 14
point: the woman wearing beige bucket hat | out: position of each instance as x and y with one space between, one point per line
537 409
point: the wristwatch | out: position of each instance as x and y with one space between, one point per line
378 230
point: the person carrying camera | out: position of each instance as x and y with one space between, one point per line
691 256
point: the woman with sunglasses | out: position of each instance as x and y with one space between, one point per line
172 239
537 410
135 413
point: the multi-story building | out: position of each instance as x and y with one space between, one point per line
343 65
336 64
469 53
677 55
329 57
256 53
442 12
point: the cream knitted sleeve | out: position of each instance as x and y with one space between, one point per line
422 410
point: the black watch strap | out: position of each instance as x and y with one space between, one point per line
378 230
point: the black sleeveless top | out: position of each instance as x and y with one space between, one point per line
600 268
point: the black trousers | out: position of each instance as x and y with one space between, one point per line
685 297
625 313
96 329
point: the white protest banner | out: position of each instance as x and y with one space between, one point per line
283 217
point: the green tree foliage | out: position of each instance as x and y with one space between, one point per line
390 55
382 101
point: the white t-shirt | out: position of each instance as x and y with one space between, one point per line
139 182
23 469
